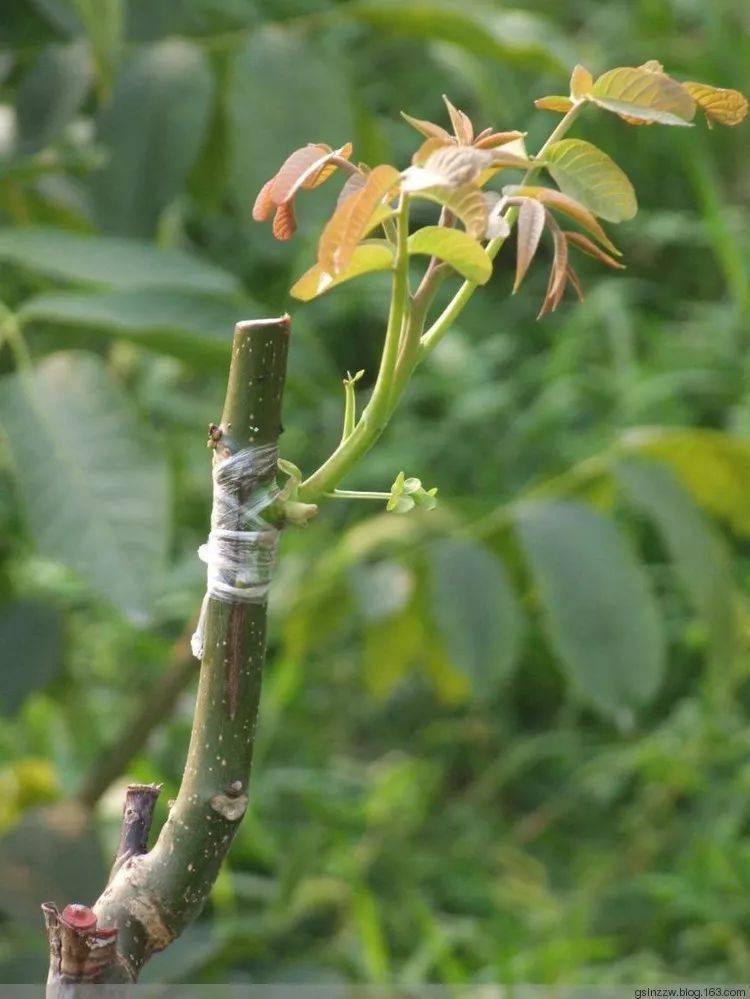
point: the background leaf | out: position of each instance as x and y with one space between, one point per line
109 261
51 93
475 609
30 637
93 492
182 323
152 129
700 557
280 87
598 606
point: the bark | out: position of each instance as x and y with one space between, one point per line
152 896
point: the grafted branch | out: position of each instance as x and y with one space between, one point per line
153 895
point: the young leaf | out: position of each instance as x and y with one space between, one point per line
354 182
581 82
584 172
294 167
559 271
458 165
494 139
456 248
727 107
555 102
497 224
349 222
568 206
462 126
589 247
284 221
264 205
532 218
307 167
641 94
576 282
466 203
371 256
429 129
428 147
599 608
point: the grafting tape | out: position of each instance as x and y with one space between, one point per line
240 552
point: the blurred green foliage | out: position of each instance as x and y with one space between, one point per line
503 741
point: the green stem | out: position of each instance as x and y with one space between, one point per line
357 494
376 412
153 897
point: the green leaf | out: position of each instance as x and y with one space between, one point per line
153 129
109 261
51 93
93 491
30 636
284 90
584 172
367 257
513 36
475 610
700 557
600 612
185 324
643 95
456 248
713 466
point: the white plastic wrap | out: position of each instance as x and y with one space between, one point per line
240 552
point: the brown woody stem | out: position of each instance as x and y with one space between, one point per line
153 896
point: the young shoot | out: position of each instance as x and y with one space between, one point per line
370 228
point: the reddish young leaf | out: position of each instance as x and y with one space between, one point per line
430 146
264 203
427 128
576 282
354 182
462 126
568 206
327 169
350 220
532 219
587 246
559 272
494 139
294 167
284 222
458 165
